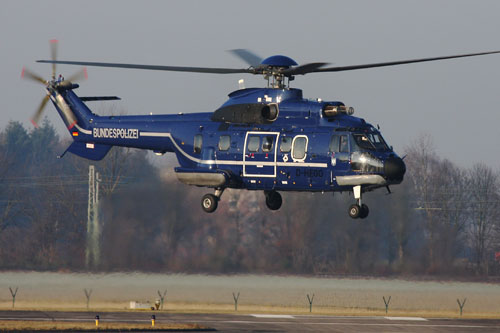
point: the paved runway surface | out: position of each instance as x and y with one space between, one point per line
273 323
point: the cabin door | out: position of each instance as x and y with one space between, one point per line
259 154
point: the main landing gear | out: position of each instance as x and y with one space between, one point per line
209 201
358 210
273 200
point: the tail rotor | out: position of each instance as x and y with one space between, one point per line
52 84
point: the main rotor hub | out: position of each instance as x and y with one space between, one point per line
279 61
273 67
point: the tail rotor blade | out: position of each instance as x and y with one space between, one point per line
38 114
27 74
53 53
69 117
78 76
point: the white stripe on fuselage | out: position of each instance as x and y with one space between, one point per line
84 131
231 162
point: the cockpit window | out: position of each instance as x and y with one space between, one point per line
370 141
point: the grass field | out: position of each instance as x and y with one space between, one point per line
258 293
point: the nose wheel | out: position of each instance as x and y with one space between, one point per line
209 201
358 210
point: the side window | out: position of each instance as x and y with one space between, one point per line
286 144
224 142
299 148
253 143
339 144
198 141
267 143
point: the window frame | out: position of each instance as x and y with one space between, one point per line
305 148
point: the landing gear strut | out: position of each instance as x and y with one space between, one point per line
358 210
273 200
209 201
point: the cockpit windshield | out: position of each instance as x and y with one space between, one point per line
370 141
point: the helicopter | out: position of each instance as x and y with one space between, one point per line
268 139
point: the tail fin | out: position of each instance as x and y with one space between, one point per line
72 110
78 119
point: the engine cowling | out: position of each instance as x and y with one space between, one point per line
248 113
270 112
335 110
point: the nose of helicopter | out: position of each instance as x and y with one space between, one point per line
394 168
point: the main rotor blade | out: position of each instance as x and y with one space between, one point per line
53 54
394 63
210 70
39 111
27 74
247 56
304 69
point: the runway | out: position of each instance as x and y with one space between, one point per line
272 322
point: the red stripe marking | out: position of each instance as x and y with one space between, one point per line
22 73
72 125
34 123
85 73
54 41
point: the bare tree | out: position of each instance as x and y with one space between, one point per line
422 164
484 212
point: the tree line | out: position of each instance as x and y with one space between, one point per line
442 220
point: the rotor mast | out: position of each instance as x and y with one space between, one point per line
276 79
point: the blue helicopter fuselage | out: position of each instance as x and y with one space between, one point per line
269 139
297 146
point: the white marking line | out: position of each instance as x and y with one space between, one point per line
231 162
272 316
406 318
337 323
83 130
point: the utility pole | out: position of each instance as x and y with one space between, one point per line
92 251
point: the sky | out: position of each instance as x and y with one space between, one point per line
454 101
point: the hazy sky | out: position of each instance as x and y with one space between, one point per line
455 101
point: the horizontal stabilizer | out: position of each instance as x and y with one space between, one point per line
99 98
91 151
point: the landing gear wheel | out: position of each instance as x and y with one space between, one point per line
364 211
209 203
354 211
273 200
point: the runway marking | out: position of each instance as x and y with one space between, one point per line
406 318
339 324
272 316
